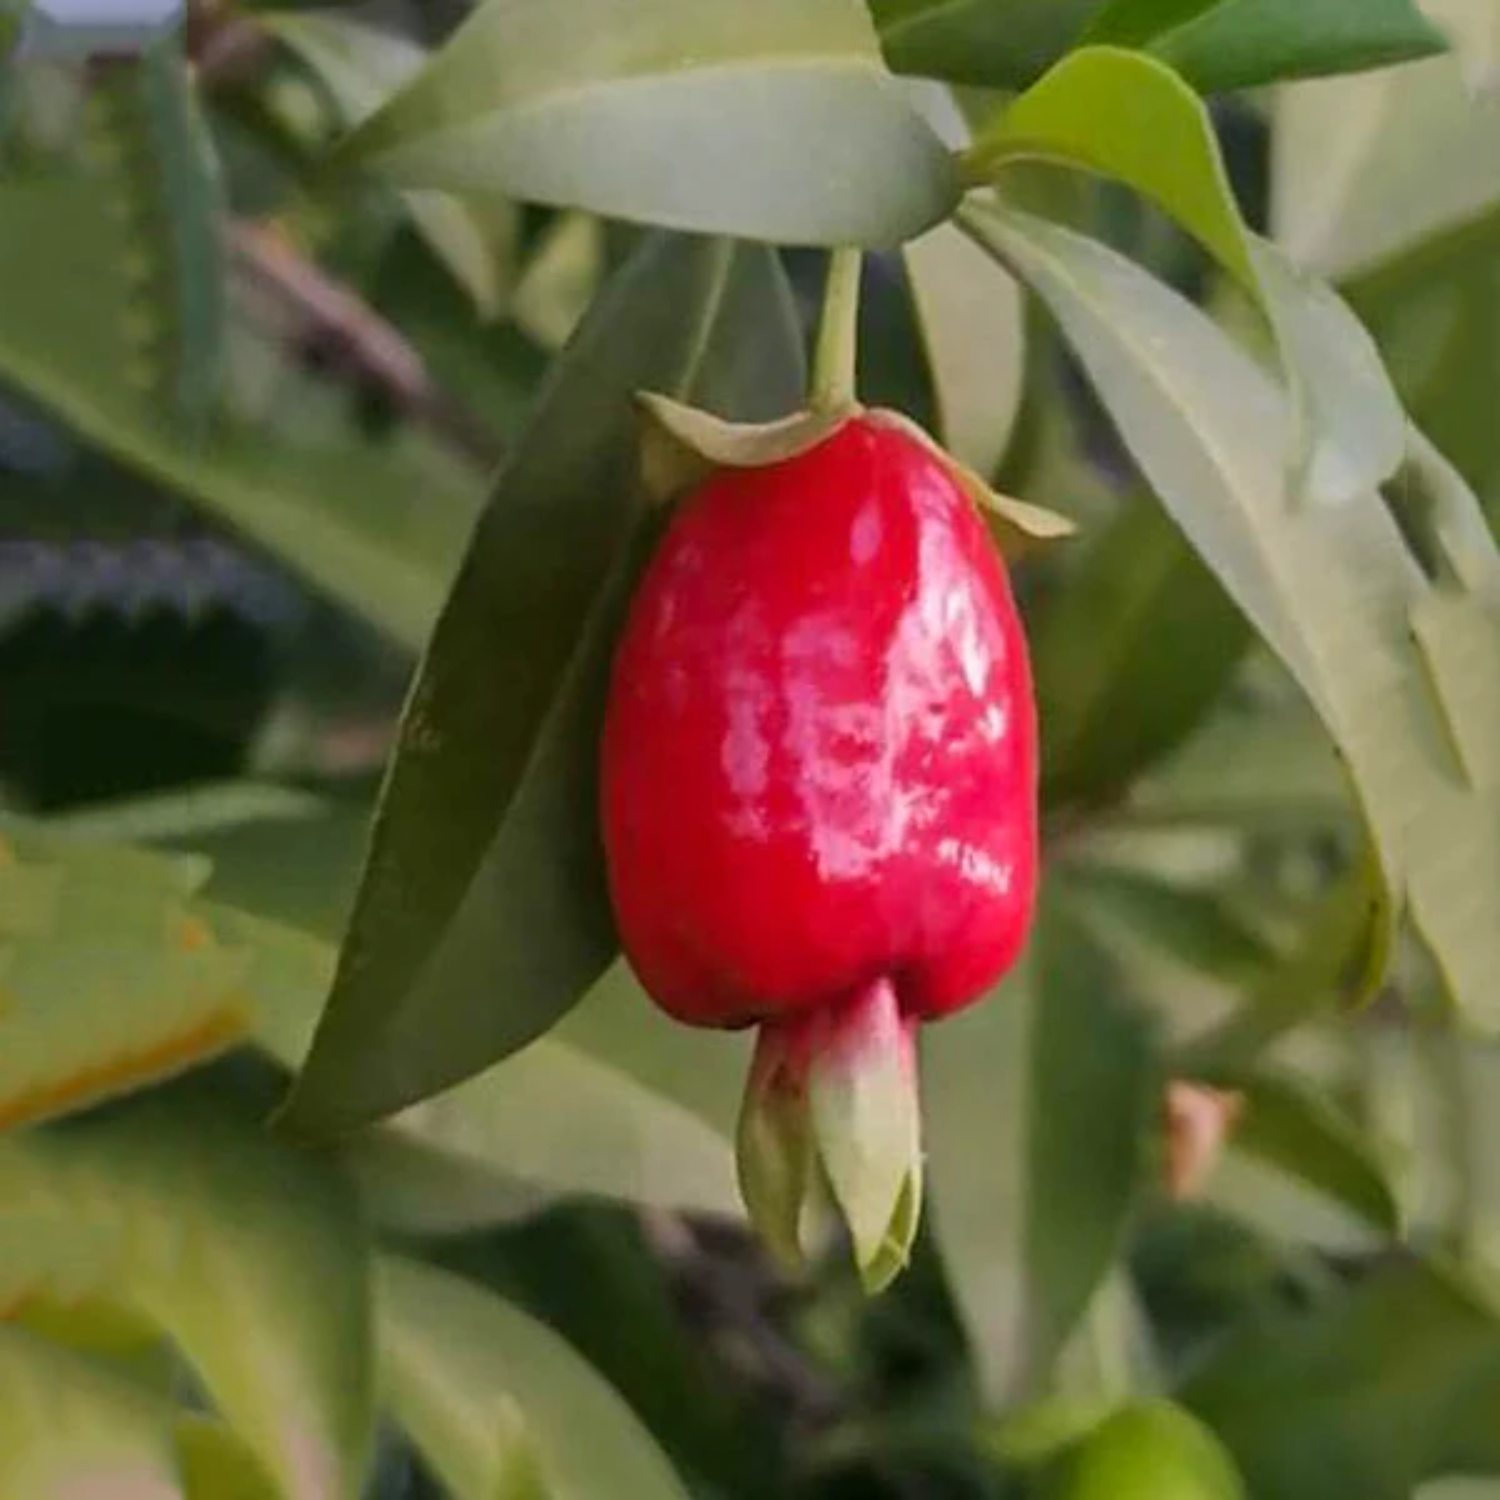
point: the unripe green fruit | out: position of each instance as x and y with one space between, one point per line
1152 1451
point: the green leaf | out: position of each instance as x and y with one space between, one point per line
774 121
1288 1127
108 981
1369 167
1474 32
473 1155
1129 657
1333 589
1128 117
215 1465
66 1426
1037 1101
498 1404
614 1138
362 67
250 1255
702 1070
992 43
1332 965
970 316
1236 44
1273 767
374 528
483 915
147 133
1362 1396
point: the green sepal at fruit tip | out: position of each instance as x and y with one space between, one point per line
831 1114
682 446
775 1160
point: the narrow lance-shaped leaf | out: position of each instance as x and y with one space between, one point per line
473 1156
108 981
362 67
971 321
483 915
64 1422
992 43
1130 656
1129 117
1236 44
250 1255
1365 1395
775 121
1055 1078
498 1404
1368 168
1333 589
1289 1130
374 529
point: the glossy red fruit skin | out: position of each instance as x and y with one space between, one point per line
819 764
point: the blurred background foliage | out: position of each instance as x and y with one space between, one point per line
1200 1226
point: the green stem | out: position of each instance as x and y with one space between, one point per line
835 360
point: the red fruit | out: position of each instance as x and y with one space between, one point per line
819 765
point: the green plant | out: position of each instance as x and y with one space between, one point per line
322 1103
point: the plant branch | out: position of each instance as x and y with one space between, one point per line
337 320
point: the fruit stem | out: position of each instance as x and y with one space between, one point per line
836 357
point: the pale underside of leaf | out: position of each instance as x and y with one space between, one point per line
1333 589
776 122
1154 134
252 1259
108 981
487 1393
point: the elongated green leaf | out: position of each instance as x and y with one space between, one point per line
498 1404
1360 1398
69 1424
1333 589
1332 965
613 1138
1129 657
974 335
1474 31
362 67
1128 117
68 1427
215 1465
1236 44
249 1254
1287 1127
773 122
1367 167
376 529
474 1155
993 43
107 980
1055 1078
703 1071
145 130
1271 768
483 915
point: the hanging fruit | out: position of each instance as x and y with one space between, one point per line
819 790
